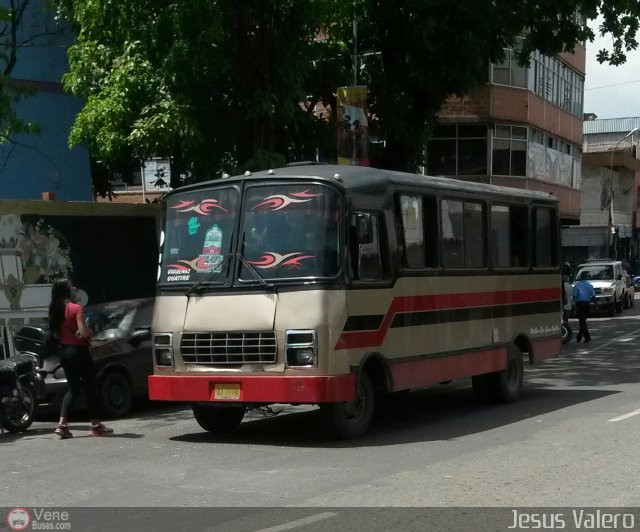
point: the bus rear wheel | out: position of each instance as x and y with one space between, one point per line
218 419
502 386
350 419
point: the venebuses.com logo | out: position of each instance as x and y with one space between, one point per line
38 519
18 519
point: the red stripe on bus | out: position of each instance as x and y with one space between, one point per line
417 373
401 304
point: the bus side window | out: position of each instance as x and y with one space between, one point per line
509 236
545 237
364 247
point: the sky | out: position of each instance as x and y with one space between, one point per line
611 92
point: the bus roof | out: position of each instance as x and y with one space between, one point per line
359 178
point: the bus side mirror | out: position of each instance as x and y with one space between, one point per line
364 228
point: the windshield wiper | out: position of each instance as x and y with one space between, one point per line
267 286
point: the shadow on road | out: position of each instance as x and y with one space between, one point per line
425 415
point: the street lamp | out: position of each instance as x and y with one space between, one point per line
611 240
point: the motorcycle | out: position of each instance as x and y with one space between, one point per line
22 381
19 385
565 328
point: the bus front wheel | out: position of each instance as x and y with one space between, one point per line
502 386
350 419
218 419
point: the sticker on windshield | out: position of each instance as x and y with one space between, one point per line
204 207
280 201
178 272
212 249
193 225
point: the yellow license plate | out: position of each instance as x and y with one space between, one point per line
226 392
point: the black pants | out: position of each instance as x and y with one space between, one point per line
582 310
78 367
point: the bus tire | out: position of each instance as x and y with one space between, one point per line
218 419
350 419
482 387
501 386
511 380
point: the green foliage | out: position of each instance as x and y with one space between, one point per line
11 39
217 85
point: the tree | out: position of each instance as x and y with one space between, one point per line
223 85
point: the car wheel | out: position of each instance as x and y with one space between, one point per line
115 395
618 305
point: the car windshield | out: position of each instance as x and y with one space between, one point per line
109 322
602 272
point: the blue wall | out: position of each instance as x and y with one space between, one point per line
43 162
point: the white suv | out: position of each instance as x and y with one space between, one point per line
607 278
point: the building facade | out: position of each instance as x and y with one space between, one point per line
33 164
522 129
610 192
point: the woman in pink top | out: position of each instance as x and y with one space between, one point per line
66 320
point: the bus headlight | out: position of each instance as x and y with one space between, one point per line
301 348
163 349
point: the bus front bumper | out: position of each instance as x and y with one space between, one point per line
253 388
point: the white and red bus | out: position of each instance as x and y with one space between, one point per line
328 285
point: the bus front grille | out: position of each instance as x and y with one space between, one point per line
213 349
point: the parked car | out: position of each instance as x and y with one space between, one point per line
607 278
122 356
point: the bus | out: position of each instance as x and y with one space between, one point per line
331 285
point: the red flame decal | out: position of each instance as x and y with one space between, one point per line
204 207
278 201
271 259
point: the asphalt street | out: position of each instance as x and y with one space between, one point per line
571 441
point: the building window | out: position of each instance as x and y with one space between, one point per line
458 150
554 81
553 159
509 72
509 151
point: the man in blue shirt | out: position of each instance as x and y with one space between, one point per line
583 295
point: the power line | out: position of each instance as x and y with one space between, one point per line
612 85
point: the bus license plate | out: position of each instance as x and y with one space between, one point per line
226 392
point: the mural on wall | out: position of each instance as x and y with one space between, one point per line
32 256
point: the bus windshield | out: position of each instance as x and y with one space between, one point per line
290 231
287 232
